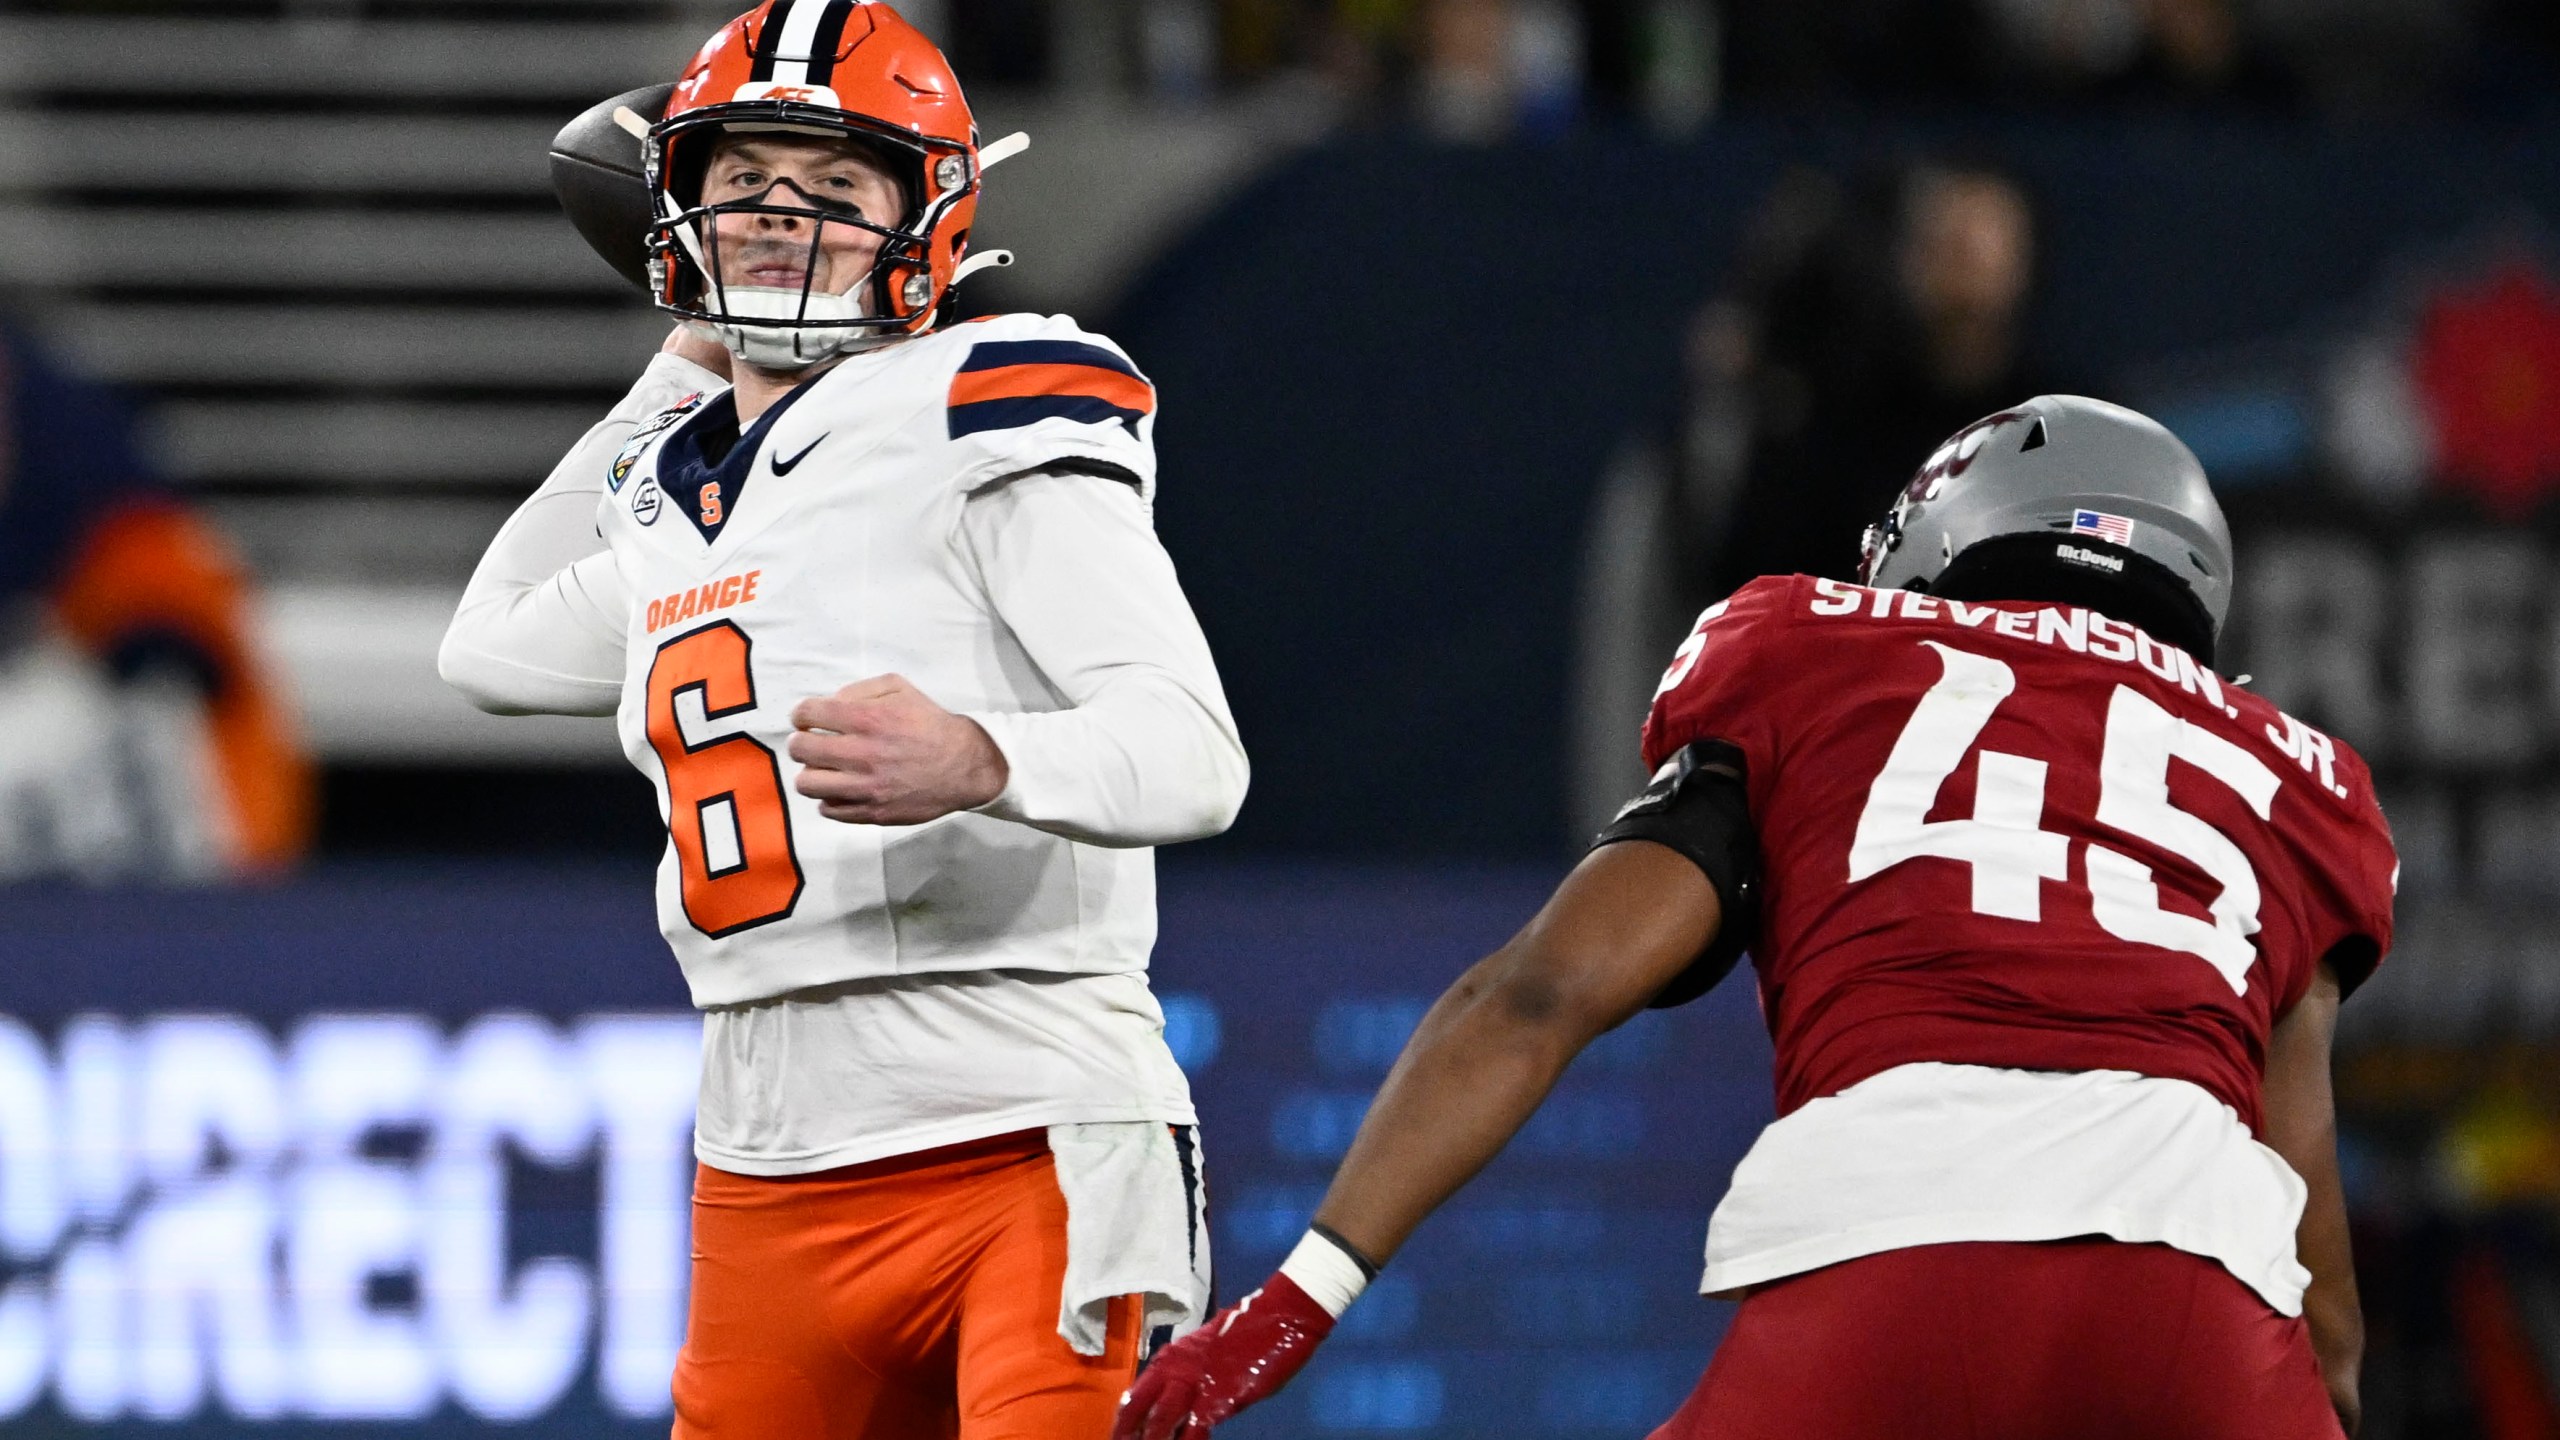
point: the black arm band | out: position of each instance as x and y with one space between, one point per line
2353 960
1699 806
1351 1252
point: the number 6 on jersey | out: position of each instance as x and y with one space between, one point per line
725 811
2012 854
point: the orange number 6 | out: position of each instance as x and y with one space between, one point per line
725 812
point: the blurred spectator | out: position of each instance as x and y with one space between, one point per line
1868 323
1470 70
1490 66
2139 50
1466 69
145 739
1480 69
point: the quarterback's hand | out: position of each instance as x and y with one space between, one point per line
880 752
1242 1356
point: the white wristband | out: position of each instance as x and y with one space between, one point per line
1330 1277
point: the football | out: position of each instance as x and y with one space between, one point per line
595 170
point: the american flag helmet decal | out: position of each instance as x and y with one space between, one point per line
2114 529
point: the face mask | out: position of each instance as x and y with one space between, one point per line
789 327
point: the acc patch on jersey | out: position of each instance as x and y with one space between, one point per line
1005 383
658 424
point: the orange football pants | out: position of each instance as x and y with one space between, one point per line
904 1299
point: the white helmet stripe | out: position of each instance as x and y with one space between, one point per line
799 20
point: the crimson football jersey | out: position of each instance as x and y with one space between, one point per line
2022 835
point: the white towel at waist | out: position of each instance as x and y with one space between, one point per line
1137 1224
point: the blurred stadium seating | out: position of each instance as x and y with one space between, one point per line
323 239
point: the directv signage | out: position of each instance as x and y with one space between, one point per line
359 1219
407 1152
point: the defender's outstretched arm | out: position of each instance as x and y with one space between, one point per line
1625 925
1622 926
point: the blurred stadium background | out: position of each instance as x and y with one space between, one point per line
343 1080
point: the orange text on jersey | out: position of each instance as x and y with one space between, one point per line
702 599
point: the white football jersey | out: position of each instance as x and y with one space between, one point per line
817 551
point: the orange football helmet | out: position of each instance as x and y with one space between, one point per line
847 68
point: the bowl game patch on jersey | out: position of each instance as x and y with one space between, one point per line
638 445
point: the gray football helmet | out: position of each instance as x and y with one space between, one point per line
2069 467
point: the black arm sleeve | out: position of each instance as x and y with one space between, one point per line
1697 805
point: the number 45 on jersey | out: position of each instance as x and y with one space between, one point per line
2012 854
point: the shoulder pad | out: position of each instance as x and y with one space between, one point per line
1032 390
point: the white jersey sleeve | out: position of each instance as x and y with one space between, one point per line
1039 392
1145 752
542 627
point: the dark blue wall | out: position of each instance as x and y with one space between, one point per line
1393 373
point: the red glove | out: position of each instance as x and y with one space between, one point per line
1242 1356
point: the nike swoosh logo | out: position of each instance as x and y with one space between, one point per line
782 466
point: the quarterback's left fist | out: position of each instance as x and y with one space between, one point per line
1245 1353
880 752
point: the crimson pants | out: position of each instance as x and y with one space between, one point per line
2069 1340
